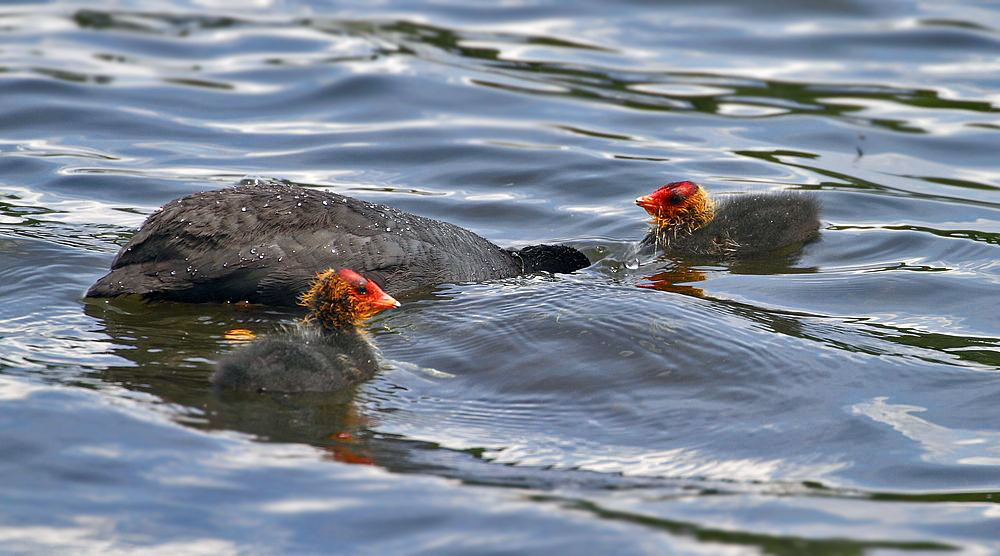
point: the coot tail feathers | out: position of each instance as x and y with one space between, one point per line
559 259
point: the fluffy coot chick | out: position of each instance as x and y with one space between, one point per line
261 242
686 221
326 352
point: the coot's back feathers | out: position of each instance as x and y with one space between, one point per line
263 242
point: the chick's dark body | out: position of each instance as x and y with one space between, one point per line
305 359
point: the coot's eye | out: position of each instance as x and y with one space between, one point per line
675 198
361 290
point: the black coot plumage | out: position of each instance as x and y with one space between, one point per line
686 221
325 352
262 242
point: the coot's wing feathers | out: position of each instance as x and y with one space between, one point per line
264 243
400 251
167 258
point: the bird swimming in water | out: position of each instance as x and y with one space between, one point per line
686 221
262 241
327 351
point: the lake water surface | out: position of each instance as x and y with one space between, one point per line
840 399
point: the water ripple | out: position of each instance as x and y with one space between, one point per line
630 407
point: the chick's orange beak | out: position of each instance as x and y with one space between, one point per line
378 300
649 204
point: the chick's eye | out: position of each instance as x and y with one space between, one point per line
361 290
675 198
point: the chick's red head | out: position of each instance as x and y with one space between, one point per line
681 205
344 298
368 297
669 198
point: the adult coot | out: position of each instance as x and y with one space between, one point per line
686 221
262 242
325 352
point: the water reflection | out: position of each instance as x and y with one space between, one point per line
175 363
673 280
770 544
940 444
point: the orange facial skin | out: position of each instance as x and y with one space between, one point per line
678 207
343 298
